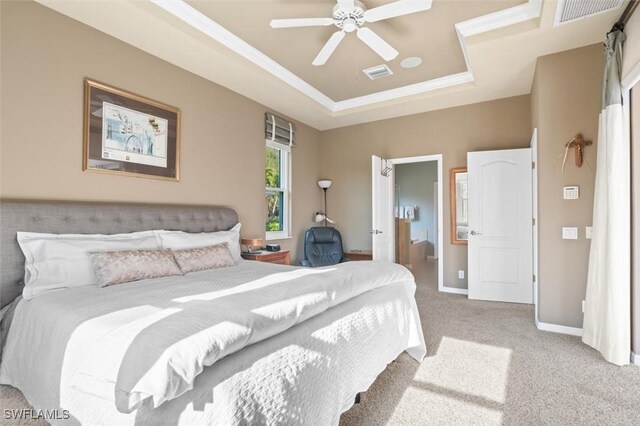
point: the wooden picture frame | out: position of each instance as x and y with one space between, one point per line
458 234
128 134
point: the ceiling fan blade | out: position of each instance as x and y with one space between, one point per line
397 8
328 48
377 44
301 22
347 4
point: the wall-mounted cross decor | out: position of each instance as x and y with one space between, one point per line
578 143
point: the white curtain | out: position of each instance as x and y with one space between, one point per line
607 315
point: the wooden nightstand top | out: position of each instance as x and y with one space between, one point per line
358 254
281 257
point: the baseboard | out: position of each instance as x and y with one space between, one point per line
635 359
454 290
562 329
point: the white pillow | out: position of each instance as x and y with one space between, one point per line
178 240
55 261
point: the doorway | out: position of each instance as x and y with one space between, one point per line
408 211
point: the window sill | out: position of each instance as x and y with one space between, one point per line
278 238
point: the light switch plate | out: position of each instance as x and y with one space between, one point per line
569 233
461 274
588 231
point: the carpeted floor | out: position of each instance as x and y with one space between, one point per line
487 365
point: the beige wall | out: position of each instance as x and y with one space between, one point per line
46 56
346 159
566 101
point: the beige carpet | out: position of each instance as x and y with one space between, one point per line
487 365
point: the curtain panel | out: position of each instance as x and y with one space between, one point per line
607 315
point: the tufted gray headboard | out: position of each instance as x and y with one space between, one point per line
92 218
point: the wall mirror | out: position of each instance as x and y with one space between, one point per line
459 205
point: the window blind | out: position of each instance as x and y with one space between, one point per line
279 130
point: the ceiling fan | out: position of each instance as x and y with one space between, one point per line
350 16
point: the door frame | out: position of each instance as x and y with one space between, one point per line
534 208
423 159
629 82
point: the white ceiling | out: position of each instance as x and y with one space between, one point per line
499 51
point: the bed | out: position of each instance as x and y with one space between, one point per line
273 344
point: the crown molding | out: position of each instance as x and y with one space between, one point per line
183 11
196 19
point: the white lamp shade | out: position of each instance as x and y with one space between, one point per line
324 183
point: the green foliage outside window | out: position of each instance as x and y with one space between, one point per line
275 200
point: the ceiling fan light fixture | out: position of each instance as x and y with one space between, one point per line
349 25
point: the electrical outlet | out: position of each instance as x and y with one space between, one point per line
461 274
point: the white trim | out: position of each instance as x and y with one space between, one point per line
439 160
188 14
628 82
500 19
513 15
534 185
277 145
562 329
454 290
400 92
632 78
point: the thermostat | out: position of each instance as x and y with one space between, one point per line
569 233
571 192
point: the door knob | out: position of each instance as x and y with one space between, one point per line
375 232
475 233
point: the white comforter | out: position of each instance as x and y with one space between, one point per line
144 343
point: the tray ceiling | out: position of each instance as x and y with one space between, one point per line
472 51
430 35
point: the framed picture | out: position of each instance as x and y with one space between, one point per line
128 134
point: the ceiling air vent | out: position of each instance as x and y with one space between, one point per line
572 10
377 72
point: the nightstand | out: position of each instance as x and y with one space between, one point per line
358 254
280 257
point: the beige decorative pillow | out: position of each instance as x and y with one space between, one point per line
198 259
117 267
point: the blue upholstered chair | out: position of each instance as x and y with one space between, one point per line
322 247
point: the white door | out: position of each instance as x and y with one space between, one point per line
500 225
382 230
